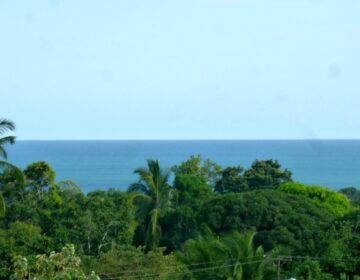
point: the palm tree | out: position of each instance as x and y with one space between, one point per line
232 257
247 262
155 199
5 127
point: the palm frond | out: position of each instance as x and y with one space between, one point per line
7 140
3 153
142 204
4 141
6 125
165 176
138 187
142 172
153 182
234 249
145 177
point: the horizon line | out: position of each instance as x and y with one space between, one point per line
199 139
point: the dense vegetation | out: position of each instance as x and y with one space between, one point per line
208 222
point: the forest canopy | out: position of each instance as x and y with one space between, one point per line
196 221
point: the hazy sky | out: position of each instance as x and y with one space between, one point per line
181 69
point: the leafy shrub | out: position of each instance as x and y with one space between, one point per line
63 265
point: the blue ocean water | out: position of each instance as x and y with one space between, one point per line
110 164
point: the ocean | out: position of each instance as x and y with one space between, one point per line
110 164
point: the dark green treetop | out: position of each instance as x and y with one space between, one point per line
266 174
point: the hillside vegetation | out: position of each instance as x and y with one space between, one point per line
209 222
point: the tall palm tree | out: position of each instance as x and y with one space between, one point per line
157 197
5 127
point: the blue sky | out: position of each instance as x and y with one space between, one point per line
187 69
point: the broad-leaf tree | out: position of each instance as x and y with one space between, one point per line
39 176
335 202
62 265
279 219
232 180
266 174
197 166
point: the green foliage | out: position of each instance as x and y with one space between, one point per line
192 190
128 262
157 199
232 256
266 174
333 201
342 243
10 184
95 223
39 176
5 165
279 218
20 268
22 238
2 205
104 226
109 220
19 238
232 180
178 226
353 194
196 166
309 269
7 126
63 266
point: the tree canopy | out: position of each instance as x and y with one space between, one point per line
197 166
266 174
208 222
333 201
